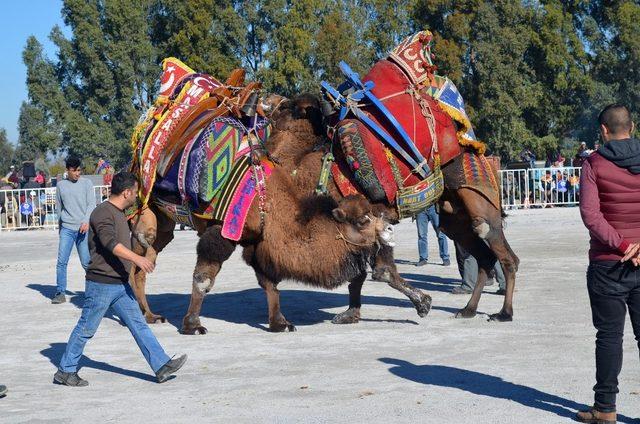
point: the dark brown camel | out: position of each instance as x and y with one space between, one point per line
466 216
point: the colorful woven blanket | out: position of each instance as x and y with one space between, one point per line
192 148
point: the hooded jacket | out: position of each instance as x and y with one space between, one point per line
610 198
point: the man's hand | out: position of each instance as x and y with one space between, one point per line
632 253
144 264
84 227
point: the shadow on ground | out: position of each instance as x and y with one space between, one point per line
55 350
249 307
77 299
430 282
487 385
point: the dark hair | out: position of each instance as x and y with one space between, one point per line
72 162
122 181
616 118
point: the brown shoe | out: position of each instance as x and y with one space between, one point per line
596 417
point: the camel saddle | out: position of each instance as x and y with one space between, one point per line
196 148
397 126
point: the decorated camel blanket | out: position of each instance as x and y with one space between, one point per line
399 124
206 170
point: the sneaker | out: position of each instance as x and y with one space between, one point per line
460 290
58 298
170 368
446 262
422 262
3 391
71 379
501 292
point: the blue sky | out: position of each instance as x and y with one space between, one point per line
19 20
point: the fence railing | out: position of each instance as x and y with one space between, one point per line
540 187
32 208
521 188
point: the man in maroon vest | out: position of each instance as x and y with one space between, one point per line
610 209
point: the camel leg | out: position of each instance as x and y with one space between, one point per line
385 270
509 262
486 223
277 322
383 264
213 251
352 315
421 301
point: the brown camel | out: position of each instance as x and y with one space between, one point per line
153 230
288 247
466 216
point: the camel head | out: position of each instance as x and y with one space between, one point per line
358 225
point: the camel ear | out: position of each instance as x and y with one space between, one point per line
339 215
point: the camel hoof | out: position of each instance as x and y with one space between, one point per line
154 319
424 306
465 313
501 317
198 330
350 316
282 327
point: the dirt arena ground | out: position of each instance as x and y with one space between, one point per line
392 367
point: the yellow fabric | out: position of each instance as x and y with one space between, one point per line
465 125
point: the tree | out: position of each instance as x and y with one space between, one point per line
6 153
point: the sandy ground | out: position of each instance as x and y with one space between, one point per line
393 367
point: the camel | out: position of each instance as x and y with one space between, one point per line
466 216
317 226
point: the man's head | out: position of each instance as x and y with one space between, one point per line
124 187
74 168
615 122
12 168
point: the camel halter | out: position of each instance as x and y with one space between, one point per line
346 241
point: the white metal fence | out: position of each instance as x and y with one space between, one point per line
32 208
521 188
540 187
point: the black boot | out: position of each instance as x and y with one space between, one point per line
71 379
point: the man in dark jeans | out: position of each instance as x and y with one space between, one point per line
610 209
107 287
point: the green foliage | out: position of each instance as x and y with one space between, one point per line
6 153
533 73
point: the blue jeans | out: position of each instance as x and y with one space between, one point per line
99 298
468 267
422 221
67 239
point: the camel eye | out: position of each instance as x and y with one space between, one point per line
362 222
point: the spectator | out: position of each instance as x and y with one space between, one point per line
74 202
12 177
562 187
422 222
574 188
581 155
611 212
546 186
40 179
527 156
468 268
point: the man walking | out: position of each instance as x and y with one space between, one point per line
610 209
75 201
468 268
107 287
422 222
